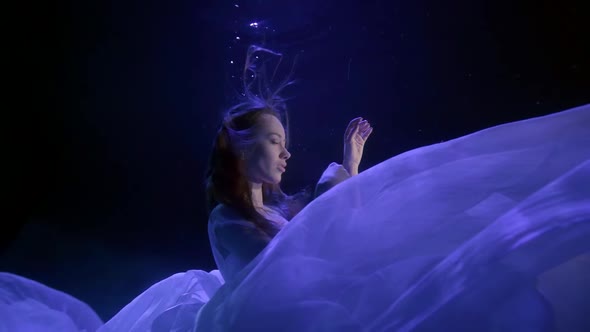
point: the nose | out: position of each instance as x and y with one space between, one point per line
285 154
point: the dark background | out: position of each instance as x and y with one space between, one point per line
116 103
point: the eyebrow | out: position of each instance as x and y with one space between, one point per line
280 136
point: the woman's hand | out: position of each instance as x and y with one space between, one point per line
355 136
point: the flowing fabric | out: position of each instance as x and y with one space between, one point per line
28 306
487 232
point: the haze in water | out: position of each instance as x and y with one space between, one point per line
471 211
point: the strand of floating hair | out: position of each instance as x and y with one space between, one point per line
247 67
250 67
276 68
268 97
287 80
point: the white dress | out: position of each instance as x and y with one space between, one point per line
487 232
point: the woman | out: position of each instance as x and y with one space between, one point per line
448 237
248 160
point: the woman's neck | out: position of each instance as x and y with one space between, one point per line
256 191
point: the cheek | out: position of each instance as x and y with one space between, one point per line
268 153
269 161
264 159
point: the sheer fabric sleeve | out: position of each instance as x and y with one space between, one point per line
237 239
333 175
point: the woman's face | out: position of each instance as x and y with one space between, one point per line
267 161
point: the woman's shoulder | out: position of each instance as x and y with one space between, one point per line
225 215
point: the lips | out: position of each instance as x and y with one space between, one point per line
282 168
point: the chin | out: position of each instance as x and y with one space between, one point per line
275 180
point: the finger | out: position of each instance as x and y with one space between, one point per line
354 122
366 133
363 130
363 126
351 126
355 131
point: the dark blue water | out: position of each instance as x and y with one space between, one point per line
121 101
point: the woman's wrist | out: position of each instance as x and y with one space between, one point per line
352 169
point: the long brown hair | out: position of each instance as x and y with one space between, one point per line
226 181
